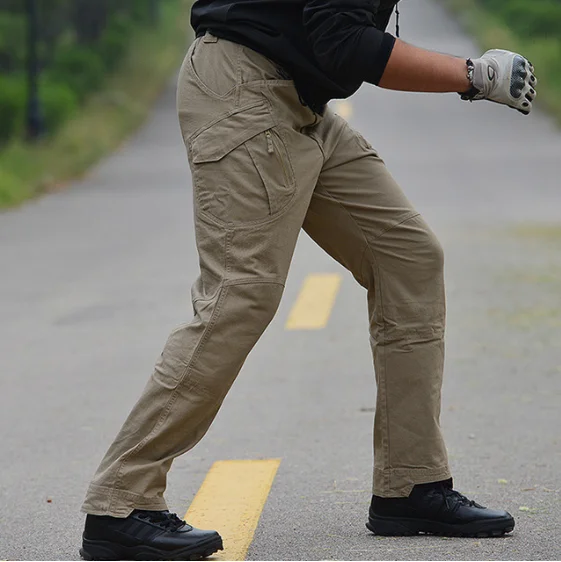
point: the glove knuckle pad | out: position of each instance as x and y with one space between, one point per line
518 78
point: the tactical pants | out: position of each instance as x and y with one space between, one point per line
264 166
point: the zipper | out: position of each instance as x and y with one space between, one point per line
270 146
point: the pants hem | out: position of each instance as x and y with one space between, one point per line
399 482
101 500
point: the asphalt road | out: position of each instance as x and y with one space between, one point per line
95 277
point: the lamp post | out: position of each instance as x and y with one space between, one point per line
34 125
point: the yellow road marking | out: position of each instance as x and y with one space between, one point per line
312 309
344 108
231 500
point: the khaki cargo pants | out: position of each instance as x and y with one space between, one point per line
264 166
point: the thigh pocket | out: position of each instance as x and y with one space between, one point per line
242 172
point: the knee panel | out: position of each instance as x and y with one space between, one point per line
209 351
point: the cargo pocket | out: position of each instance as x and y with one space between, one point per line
242 172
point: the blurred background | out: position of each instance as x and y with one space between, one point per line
58 55
74 61
73 44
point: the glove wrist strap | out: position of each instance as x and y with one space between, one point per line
470 94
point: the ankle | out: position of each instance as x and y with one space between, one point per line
425 486
448 483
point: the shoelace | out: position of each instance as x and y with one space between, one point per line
164 519
448 493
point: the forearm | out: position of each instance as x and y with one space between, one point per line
412 69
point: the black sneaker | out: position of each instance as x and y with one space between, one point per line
436 509
146 535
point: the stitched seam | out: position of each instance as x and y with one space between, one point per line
382 386
444 468
126 457
382 377
336 142
271 108
128 494
234 227
362 264
285 145
209 218
320 146
172 398
238 140
227 246
211 93
193 137
239 86
238 75
408 217
252 281
261 177
335 200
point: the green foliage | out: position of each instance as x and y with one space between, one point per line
79 68
59 103
543 17
141 10
114 41
12 41
103 121
79 42
12 106
529 18
18 189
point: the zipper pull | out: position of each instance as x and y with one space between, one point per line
270 147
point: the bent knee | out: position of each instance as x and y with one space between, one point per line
241 310
410 251
253 302
223 332
426 247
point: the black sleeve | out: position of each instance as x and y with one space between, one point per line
345 39
383 18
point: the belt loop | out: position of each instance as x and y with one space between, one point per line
210 38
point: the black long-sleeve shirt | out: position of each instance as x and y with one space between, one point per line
328 47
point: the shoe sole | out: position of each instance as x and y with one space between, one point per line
104 550
401 527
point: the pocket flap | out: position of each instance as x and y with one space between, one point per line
230 132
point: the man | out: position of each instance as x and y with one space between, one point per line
269 158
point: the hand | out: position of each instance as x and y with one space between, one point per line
503 77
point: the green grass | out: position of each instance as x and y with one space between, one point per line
107 117
491 32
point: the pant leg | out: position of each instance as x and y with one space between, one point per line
253 175
361 217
